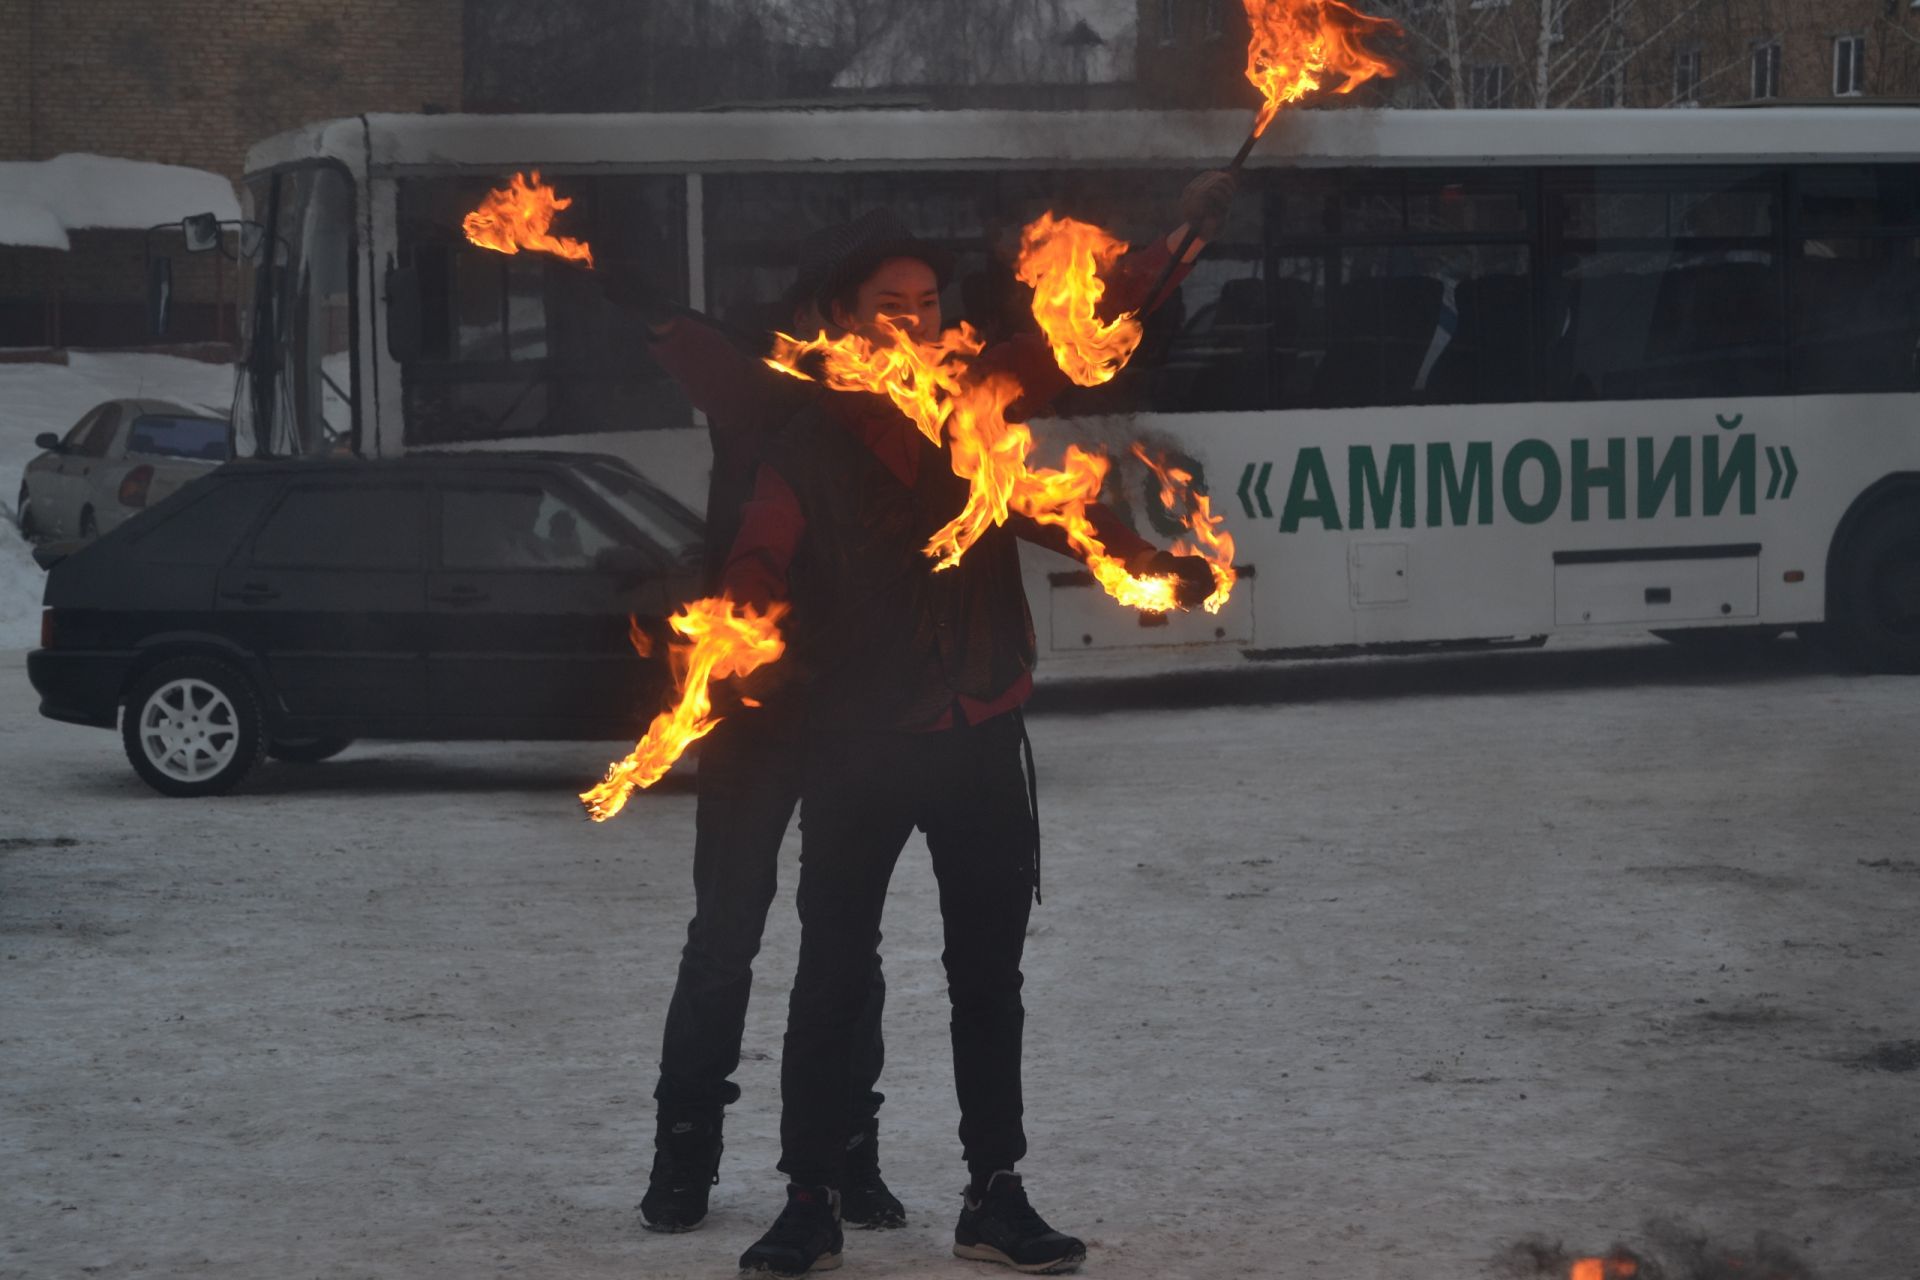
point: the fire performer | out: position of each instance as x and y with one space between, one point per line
914 681
748 786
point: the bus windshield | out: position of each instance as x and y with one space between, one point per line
297 389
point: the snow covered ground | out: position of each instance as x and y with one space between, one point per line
51 397
1359 970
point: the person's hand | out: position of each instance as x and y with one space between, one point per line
1204 204
1192 575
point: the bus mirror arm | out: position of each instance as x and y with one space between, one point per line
403 313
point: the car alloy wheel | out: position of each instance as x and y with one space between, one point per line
192 727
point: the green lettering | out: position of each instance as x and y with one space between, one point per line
1716 483
1364 484
1461 491
1310 468
1674 472
1517 506
1612 478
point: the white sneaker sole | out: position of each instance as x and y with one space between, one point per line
987 1253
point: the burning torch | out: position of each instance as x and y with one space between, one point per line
1294 45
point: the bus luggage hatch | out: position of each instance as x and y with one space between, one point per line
1081 616
1656 585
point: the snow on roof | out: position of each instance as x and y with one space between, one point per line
42 200
1027 42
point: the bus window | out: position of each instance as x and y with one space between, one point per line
1856 279
526 345
1401 288
1663 285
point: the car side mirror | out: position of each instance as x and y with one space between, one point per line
403 314
49 441
202 231
159 295
629 565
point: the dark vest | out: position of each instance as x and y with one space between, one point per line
884 641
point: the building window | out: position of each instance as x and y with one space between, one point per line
1169 21
1766 70
1849 66
1488 86
1686 76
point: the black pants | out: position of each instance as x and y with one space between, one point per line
749 783
965 788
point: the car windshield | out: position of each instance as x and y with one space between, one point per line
161 435
661 518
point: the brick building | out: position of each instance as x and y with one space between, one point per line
1572 53
187 82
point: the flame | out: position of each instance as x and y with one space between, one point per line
726 640
1298 42
642 642
1615 1268
930 384
1062 259
1211 541
518 216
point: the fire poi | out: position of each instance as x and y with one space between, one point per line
1295 45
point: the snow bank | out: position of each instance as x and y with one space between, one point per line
51 397
42 200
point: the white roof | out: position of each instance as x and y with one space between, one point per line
42 200
1054 139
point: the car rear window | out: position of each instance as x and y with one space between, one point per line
205 529
353 525
168 436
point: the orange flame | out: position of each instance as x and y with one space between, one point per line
930 384
518 216
727 640
642 642
1298 42
1062 259
1614 1268
1211 541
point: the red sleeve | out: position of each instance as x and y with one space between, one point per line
771 525
1133 275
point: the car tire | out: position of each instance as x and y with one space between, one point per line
307 750
192 727
1874 611
89 527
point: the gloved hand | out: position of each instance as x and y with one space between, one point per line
1204 204
1193 576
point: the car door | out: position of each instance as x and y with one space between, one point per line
331 592
54 481
526 636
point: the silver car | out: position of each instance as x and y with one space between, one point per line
120 457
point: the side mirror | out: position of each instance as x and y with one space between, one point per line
47 440
628 565
159 295
202 231
403 314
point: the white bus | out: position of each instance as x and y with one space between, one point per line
1453 377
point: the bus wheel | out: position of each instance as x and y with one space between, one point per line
1875 614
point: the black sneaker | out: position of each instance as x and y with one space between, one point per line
865 1201
998 1225
686 1164
805 1237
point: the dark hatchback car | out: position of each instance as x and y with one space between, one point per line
288 607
